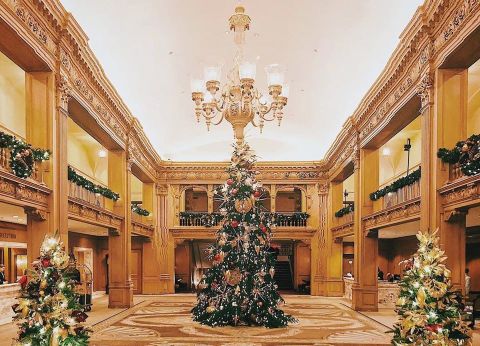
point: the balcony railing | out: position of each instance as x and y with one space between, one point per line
200 219
204 219
402 195
37 174
454 172
345 219
82 193
145 220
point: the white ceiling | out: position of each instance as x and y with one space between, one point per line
333 50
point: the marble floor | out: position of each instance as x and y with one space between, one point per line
166 320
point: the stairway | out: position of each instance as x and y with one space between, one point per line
283 275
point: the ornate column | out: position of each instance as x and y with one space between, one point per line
273 196
120 242
334 247
210 198
60 158
164 242
444 99
428 221
319 245
365 286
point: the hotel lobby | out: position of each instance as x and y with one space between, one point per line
239 172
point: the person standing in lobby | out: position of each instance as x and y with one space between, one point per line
2 275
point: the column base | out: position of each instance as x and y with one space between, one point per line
364 299
120 296
327 287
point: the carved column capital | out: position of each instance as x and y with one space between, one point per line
356 158
162 190
425 90
64 92
35 214
322 189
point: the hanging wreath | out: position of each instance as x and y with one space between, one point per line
466 154
22 155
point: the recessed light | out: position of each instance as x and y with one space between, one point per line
15 216
170 53
102 153
315 50
258 57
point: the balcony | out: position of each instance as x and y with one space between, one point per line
204 219
402 195
455 172
142 225
200 219
37 175
79 192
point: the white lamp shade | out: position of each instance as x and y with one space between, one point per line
275 74
285 90
208 98
197 85
247 70
212 73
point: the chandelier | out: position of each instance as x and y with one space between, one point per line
238 100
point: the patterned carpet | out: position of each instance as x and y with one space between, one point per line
166 320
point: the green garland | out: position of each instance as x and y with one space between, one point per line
345 210
139 210
90 186
466 153
22 155
397 184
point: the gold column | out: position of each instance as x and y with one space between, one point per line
444 122
319 245
151 265
164 242
335 247
120 242
365 286
210 198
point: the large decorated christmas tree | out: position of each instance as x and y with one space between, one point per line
48 309
429 310
240 288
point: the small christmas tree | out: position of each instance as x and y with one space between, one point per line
240 289
48 308
429 310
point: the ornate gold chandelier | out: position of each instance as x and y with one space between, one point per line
239 101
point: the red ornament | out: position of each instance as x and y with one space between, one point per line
229 181
433 327
257 194
234 223
263 228
234 191
46 262
217 257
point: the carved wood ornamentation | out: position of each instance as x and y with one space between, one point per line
464 192
86 212
399 213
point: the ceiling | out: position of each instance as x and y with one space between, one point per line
333 50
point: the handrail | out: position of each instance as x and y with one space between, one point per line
399 175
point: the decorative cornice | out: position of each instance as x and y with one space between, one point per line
463 192
81 210
26 191
399 213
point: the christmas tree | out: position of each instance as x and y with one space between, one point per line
429 309
48 308
240 288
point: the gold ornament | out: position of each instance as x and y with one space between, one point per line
210 309
272 272
244 205
43 283
234 277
